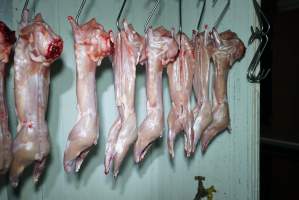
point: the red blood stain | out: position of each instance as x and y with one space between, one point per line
9 36
111 44
54 49
109 47
2 115
30 125
70 18
193 52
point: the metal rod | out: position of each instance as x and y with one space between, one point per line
281 143
201 14
119 15
34 8
24 8
180 22
80 10
222 13
180 16
214 2
152 13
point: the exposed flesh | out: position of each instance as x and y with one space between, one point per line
161 48
37 47
91 44
128 52
228 48
7 39
180 76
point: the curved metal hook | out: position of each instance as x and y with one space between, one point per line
222 13
152 13
201 14
261 16
214 3
24 8
180 16
119 15
259 33
80 10
252 75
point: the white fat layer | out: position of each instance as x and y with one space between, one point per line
119 147
37 156
83 133
80 54
67 143
27 146
89 112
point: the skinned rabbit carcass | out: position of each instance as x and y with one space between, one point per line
128 52
203 109
92 44
227 49
161 49
180 77
37 47
7 40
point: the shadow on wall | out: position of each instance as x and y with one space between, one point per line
3 183
62 79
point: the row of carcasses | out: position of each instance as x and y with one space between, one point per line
188 66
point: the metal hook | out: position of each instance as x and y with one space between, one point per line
119 15
251 72
261 18
152 13
259 33
214 3
24 8
80 10
222 13
201 14
180 22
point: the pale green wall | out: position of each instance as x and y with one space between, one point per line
231 163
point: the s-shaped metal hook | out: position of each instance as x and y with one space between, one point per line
152 13
226 7
259 33
24 8
80 10
201 14
119 15
180 22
